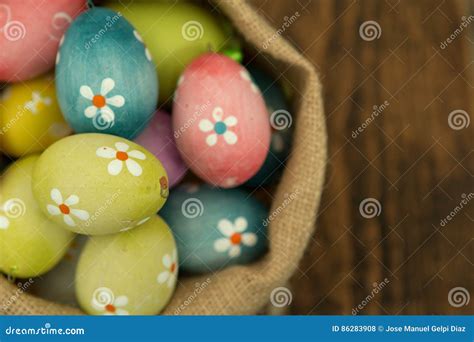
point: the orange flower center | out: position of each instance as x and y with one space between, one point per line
123 156
236 238
110 308
64 209
98 101
173 267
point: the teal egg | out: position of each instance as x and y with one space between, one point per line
105 78
281 123
215 228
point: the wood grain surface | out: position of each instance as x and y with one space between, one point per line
411 159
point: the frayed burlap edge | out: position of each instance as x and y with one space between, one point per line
243 290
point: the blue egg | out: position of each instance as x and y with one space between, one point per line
215 228
105 78
281 123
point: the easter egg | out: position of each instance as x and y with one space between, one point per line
97 184
158 139
58 284
215 228
175 34
30 118
30 34
105 78
281 125
130 273
220 121
30 244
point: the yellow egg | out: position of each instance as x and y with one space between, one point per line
30 118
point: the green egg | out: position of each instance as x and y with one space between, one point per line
129 273
175 34
97 184
30 244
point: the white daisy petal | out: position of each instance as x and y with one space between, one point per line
226 227
106 152
137 155
245 75
107 114
230 121
234 251
137 35
121 146
167 260
80 214
163 276
71 200
230 137
4 222
148 54
249 239
86 92
69 221
121 301
240 224
134 168
211 139
56 196
53 209
217 114
171 281
115 167
254 87
221 245
107 85
121 312
90 111
117 101
206 125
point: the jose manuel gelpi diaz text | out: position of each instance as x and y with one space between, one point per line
426 328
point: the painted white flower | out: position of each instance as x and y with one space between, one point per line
234 237
101 103
171 264
63 207
219 127
103 300
246 76
121 156
58 55
140 39
37 101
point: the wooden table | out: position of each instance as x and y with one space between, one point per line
409 157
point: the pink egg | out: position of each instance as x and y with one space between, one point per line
220 121
158 139
30 31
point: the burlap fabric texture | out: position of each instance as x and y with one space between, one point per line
243 290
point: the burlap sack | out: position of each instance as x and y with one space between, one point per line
243 290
